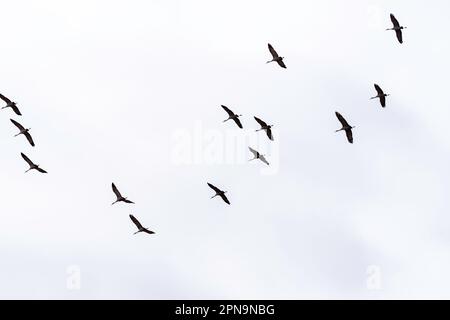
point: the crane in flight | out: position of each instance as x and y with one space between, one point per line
257 155
139 226
10 104
120 198
380 95
233 116
23 131
219 193
397 28
31 164
265 127
276 57
345 126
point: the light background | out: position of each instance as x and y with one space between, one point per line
105 84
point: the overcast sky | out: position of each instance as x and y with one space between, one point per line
130 92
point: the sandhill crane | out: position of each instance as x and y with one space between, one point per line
397 28
233 116
276 57
32 165
381 95
345 126
10 104
139 226
23 131
258 155
219 193
265 127
120 198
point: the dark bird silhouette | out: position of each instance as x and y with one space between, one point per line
219 193
139 226
265 127
397 28
23 131
276 57
381 95
32 165
233 116
120 198
345 126
10 104
258 155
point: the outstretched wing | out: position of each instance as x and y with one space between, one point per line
18 125
238 122
230 113
136 222
269 133
148 231
30 163
224 198
5 99
349 135
379 91
255 153
272 51
16 109
41 170
342 120
116 191
29 138
128 201
383 101
395 21
217 190
399 34
281 63
263 159
261 123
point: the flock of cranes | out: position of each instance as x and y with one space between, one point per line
267 128
231 116
121 198
22 130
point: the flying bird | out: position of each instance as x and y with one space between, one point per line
23 131
345 126
119 196
276 57
233 116
10 104
397 28
219 193
32 165
381 95
258 155
139 226
265 127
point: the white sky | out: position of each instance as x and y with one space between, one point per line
107 87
